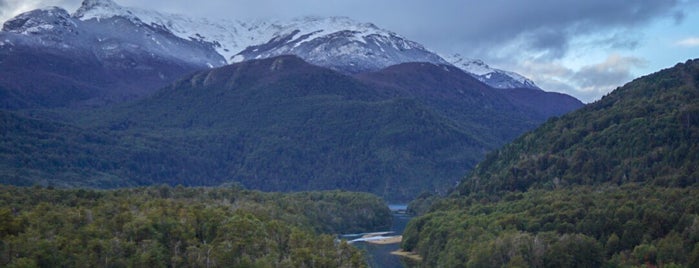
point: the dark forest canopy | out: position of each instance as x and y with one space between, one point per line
183 227
613 184
278 124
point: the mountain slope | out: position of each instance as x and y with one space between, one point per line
288 125
456 93
281 124
612 184
642 132
453 93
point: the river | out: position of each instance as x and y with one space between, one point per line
380 255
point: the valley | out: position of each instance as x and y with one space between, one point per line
134 137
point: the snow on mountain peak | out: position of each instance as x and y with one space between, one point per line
102 9
39 20
340 43
494 77
474 66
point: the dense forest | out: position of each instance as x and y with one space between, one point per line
614 184
162 226
646 131
277 124
580 226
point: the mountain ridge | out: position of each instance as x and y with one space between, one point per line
355 47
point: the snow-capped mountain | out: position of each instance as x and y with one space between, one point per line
493 77
341 44
227 37
108 37
79 60
126 44
336 42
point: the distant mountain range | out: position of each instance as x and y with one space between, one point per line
130 52
111 96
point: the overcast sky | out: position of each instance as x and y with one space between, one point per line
585 48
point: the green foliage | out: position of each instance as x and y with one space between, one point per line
275 124
645 131
176 227
613 184
576 227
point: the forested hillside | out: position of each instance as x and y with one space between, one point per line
183 227
276 124
646 131
613 184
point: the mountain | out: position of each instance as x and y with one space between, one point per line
341 44
338 43
613 184
278 124
493 77
472 105
49 58
105 53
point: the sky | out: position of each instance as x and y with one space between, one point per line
585 48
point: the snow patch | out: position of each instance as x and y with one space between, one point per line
237 58
484 73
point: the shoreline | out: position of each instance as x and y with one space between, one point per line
385 240
407 254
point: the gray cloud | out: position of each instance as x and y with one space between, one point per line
10 8
4 9
587 83
613 71
465 26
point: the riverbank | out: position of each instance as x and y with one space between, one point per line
378 238
379 245
407 254
385 240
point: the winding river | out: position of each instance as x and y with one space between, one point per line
379 255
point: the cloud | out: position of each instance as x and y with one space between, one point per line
547 27
474 27
589 82
4 8
688 42
614 71
11 8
